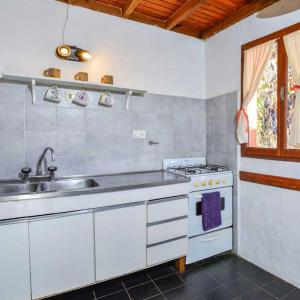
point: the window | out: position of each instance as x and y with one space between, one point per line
270 110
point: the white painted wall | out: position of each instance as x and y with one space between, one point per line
268 217
138 55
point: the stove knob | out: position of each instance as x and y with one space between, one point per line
217 181
210 182
196 184
203 183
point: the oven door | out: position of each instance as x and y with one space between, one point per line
195 210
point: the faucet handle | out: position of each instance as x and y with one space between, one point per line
26 170
52 170
25 173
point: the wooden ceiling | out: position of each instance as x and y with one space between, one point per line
198 18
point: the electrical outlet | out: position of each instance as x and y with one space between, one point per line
139 134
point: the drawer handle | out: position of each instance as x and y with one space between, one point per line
209 239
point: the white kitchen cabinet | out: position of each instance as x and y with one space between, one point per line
62 253
120 240
14 261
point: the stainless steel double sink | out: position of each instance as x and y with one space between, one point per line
47 186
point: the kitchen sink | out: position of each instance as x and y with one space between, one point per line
47 186
18 188
67 184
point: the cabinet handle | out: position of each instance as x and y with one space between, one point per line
151 202
61 215
118 206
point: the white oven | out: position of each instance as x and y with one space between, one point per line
195 210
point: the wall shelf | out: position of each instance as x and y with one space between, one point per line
94 86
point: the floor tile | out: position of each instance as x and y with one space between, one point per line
240 287
168 282
157 297
240 265
116 296
219 293
143 291
84 293
220 271
258 294
135 279
261 277
278 288
158 271
108 287
201 281
295 295
182 293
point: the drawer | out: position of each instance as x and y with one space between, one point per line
167 231
166 251
209 244
169 208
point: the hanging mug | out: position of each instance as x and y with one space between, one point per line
53 94
106 99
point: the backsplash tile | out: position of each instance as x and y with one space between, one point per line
12 117
12 143
97 139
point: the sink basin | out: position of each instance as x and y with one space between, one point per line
18 188
68 184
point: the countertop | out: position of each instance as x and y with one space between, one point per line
107 183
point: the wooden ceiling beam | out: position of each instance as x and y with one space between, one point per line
97 6
135 16
244 12
129 7
183 12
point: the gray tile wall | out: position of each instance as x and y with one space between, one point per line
97 140
220 138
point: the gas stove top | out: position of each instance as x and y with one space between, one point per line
197 169
203 176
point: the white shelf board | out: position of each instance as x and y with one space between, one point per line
73 84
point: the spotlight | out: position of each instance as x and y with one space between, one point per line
63 51
83 55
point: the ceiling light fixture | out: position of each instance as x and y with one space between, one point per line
68 52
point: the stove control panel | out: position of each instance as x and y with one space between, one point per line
212 181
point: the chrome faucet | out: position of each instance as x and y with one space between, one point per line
38 171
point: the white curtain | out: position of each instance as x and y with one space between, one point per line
255 63
292 46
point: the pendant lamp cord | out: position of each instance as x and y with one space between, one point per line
65 25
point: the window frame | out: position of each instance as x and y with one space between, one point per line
281 152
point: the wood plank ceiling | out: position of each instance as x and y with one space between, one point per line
197 18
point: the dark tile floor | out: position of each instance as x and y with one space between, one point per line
225 277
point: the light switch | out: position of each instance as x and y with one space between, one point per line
139 134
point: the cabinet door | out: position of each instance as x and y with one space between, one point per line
62 253
120 240
14 262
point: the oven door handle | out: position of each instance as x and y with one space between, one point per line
209 239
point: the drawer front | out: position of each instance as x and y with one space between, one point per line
164 210
167 251
206 245
167 231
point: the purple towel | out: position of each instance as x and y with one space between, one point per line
211 210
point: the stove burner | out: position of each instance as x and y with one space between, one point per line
198 169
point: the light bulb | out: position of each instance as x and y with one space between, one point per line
83 55
63 51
